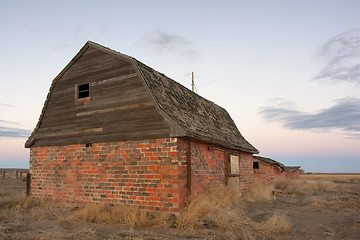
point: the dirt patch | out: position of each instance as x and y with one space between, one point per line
311 208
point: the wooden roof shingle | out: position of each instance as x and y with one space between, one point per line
199 117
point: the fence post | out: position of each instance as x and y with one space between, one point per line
28 179
3 175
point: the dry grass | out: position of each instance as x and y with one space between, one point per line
259 191
128 215
220 208
336 178
224 210
304 187
277 223
218 214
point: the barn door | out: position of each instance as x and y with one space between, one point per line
234 173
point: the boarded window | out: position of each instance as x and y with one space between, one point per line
234 164
83 91
234 177
256 165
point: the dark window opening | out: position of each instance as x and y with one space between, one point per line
83 91
256 165
89 145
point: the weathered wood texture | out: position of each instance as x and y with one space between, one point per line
119 107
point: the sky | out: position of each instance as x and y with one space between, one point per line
288 72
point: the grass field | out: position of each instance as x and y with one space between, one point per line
314 207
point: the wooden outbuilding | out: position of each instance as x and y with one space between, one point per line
115 130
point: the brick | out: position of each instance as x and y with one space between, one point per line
150 173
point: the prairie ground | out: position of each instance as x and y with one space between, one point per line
314 207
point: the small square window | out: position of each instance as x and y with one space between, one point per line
256 165
83 91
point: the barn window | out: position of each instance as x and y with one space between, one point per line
256 165
83 91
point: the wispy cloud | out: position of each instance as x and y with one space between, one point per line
5 105
162 42
341 56
344 115
10 130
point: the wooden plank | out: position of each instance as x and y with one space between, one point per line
74 132
113 137
115 79
126 107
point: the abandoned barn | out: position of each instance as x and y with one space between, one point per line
115 130
268 170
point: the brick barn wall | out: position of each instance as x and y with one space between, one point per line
147 173
246 171
279 174
293 175
267 173
207 167
144 173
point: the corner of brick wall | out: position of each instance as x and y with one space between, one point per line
246 171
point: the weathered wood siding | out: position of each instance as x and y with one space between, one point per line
119 108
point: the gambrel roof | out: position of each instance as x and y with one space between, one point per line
185 113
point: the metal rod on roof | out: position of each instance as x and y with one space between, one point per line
192 81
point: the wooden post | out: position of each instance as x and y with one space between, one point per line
3 175
17 175
28 179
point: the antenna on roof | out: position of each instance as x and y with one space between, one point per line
193 87
192 81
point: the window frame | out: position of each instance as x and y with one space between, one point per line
80 91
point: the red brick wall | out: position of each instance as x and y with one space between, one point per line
293 175
207 167
148 173
267 173
246 171
144 173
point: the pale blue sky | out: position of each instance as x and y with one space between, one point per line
261 60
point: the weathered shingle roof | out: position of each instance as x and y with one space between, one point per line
200 118
270 162
274 163
291 168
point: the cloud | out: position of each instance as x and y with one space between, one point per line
7 131
344 115
341 56
162 42
5 105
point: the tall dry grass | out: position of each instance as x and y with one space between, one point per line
336 178
304 187
276 223
131 216
222 209
259 191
